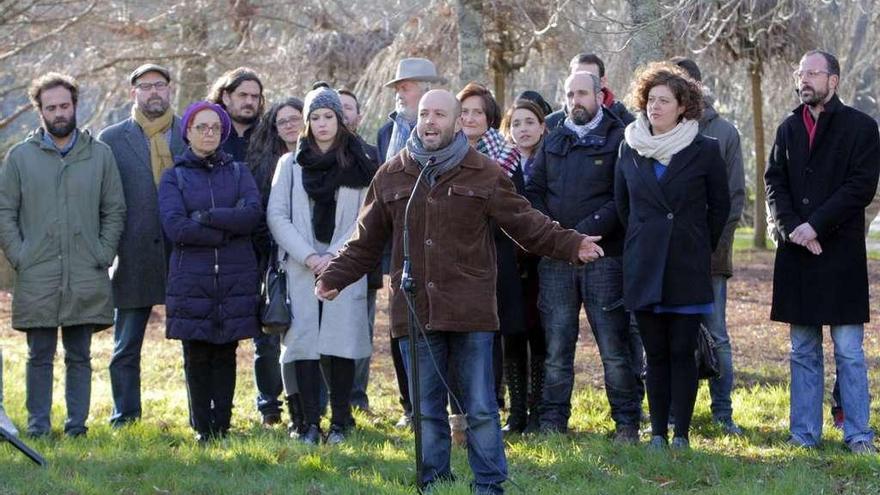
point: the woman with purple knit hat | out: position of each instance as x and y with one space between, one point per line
210 206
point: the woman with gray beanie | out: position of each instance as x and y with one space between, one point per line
313 207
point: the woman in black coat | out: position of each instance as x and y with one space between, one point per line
671 194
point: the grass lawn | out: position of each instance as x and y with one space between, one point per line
159 456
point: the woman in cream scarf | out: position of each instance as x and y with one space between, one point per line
671 193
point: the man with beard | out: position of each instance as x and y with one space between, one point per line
240 93
590 62
573 182
821 175
62 212
144 145
411 81
461 195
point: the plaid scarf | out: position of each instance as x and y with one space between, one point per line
493 145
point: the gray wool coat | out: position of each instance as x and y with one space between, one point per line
343 330
139 278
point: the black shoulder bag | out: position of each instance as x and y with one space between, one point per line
275 310
706 355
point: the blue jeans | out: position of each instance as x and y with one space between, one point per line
721 387
125 365
359 396
470 353
808 384
267 373
42 342
599 287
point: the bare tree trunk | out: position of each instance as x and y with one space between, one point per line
193 83
500 88
472 55
647 41
756 70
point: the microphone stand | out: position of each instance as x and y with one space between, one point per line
24 449
408 286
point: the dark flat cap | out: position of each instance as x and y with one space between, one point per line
135 74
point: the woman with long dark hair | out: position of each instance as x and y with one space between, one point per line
316 195
671 194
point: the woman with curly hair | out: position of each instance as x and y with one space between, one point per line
671 195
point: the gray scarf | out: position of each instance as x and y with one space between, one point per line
444 158
400 131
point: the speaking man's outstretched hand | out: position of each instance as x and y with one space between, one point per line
589 250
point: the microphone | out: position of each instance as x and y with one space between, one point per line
406 281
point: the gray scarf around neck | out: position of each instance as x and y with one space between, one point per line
444 158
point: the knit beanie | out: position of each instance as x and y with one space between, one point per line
322 98
197 107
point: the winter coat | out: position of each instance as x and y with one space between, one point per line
60 223
451 230
141 269
828 187
573 181
715 126
213 284
672 224
343 328
383 138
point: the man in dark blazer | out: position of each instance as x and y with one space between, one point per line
144 145
821 175
573 183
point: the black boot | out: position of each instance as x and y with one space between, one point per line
536 392
296 425
516 384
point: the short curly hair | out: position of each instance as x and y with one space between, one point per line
49 81
687 92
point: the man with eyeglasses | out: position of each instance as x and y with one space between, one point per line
821 175
144 145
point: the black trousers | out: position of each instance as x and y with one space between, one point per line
400 373
210 385
339 374
670 341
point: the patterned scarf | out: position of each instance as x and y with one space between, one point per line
583 130
399 134
493 145
154 130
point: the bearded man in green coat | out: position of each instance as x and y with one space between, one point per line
62 212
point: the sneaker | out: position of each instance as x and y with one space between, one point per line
271 419
862 447
405 421
837 414
681 443
335 436
626 434
795 443
6 423
729 427
658 442
311 435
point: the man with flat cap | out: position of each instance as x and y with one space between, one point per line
144 145
411 81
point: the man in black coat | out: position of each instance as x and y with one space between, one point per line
143 145
821 175
590 62
573 183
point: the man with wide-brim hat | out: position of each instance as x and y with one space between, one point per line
412 80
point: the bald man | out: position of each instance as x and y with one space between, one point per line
452 256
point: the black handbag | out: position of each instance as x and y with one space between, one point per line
706 355
275 311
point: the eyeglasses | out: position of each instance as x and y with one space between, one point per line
145 86
205 129
808 74
287 122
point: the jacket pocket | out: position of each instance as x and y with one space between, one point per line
86 247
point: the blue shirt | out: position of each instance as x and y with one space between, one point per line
47 138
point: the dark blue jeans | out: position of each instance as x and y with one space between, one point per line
470 353
125 365
42 343
599 287
720 388
267 373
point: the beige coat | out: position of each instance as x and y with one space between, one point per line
343 330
